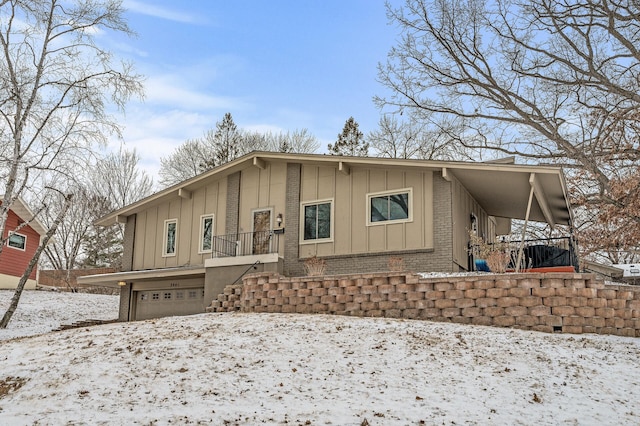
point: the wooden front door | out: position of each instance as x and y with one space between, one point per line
261 231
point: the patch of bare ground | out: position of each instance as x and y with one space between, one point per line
11 384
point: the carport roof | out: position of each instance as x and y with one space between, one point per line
112 279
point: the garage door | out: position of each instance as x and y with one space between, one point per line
168 302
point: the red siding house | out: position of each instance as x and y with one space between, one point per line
20 247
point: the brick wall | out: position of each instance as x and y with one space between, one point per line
552 302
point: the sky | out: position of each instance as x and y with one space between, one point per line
275 66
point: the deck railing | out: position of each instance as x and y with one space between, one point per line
245 244
542 252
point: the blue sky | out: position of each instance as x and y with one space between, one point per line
274 65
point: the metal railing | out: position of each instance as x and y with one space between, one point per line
245 244
539 253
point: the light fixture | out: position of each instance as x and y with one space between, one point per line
279 219
122 283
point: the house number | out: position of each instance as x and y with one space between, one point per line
174 285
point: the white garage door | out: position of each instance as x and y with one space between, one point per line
169 302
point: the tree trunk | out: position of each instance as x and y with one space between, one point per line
34 261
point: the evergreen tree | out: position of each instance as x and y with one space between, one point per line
350 142
226 140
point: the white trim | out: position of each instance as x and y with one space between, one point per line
303 204
371 195
201 235
19 235
165 239
262 209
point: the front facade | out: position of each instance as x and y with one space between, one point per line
271 211
19 247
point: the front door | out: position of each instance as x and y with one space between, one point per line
261 231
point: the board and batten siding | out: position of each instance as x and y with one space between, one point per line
351 234
148 247
262 189
463 205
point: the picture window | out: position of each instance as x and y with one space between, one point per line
389 207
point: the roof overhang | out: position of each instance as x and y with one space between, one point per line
112 279
24 213
502 189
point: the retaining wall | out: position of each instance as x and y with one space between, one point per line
551 302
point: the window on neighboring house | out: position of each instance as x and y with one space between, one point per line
206 233
17 241
170 233
389 206
316 220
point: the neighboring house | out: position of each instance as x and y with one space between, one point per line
19 247
271 211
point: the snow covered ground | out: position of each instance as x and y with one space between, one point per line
42 311
252 369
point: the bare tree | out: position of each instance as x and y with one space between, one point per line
195 156
185 162
415 138
299 141
118 178
544 80
114 182
13 305
55 85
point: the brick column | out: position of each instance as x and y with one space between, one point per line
441 260
292 266
233 203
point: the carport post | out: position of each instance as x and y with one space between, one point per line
524 229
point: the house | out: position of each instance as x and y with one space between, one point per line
19 247
271 211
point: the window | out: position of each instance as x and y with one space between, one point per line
167 296
192 294
144 296
155 296
316 221
179 294
389 207
17 241
170 231
206 233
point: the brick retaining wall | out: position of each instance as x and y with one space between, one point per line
552 302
